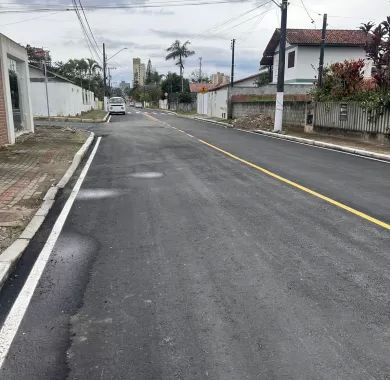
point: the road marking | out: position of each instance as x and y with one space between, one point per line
108 120
298 142
300 187
288 182
129 113
19 308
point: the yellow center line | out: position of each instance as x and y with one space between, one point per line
293 184
302 188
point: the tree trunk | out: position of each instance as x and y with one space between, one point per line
181 75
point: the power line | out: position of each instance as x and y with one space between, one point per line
237 17
84 31
124 6
308 14
245 21
89 27
29 19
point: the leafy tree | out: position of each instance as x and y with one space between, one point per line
194 78
378 50
173 83
342 80
178 52
263 79
36 56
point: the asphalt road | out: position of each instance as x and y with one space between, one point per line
178 262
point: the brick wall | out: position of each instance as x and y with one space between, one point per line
3 115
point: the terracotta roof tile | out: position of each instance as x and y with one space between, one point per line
333 37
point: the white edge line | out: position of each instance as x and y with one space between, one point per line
19 308
109 119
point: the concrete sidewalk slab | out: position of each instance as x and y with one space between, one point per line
10 256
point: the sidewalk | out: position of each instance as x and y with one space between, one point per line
349 142
27 170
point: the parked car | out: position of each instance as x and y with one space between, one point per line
117 105
138 105
132 104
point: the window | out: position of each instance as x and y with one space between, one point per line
291 59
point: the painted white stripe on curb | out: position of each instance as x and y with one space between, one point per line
19 308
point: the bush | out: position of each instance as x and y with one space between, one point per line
185 97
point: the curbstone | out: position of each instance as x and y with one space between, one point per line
358 152
10 256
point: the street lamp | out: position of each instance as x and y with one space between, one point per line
105 71
125 48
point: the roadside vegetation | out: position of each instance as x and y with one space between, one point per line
345 81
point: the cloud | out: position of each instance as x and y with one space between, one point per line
174 34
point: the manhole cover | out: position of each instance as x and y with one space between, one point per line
147 175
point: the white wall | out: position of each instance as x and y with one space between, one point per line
11 49
217 103
307 61
250 82
202 103
65 99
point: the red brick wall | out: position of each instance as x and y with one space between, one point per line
3 116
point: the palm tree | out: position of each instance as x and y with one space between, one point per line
178 52
93 67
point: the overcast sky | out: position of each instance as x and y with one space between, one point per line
148 32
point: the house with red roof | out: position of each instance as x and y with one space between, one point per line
303 51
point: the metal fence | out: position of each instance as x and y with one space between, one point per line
351 117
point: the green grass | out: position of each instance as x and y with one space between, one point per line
93 114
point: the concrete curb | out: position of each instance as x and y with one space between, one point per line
12 254
73 119
358 152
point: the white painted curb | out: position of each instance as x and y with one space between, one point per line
358 152
12 254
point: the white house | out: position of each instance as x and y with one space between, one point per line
65 97
303 52
15 95
214 103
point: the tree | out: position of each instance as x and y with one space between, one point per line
36 56
148 76
378 50
173 83
342 81
178 52
196 79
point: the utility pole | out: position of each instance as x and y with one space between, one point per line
200 69
282 61
46 87
322 51
233 45
104 75
229 103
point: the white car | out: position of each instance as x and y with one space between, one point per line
117 105
138 105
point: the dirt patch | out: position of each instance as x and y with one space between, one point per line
28 169
254 122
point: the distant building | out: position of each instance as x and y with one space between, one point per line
123 85
138 72
219 79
